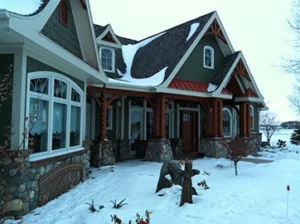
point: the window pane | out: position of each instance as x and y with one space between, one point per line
106 59
75 96
136 124
226 123
75 126
59 126
39 85
149 124
38 125
60 89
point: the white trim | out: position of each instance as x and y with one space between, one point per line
113 59
228 75
250 99
240 84
212 51
19 96
33 158
88 121
108 44
93 125
122 117
109 29
230 120
194 44
252 115
129 120
51 99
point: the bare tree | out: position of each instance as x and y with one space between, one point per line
269 124
237 149
292 62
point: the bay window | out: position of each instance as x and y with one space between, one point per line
54 112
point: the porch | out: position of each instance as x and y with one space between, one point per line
161 126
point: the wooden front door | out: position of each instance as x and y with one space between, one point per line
189 130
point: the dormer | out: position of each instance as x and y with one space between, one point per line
108 43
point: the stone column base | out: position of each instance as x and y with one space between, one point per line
214 147
106 154
159 150
253 142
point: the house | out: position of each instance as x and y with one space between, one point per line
182 90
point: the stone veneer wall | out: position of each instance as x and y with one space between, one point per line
159 150
214 147
121 149
19 190
102 153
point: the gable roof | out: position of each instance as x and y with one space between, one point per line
27 28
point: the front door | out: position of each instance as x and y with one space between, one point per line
189 130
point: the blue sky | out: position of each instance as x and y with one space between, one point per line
258 28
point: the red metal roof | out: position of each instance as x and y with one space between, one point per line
192 86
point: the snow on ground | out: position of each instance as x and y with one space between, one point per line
20 6
193 29
257 195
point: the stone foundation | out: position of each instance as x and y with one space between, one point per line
214 147
159 150
102 154
258 137
254 143
26 185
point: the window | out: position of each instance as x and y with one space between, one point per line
227 122
107 56
208 57
54 111
251 117
63 12
109 118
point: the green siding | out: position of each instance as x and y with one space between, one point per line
65 36
193 68
6 105
35 66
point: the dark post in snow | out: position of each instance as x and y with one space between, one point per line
187 186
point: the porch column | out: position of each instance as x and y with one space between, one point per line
159 121
103 115
245 119
214 119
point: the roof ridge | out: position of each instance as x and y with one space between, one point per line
212 12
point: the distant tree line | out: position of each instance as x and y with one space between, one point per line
290 124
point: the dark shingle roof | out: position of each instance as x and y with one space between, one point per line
224 68
124 41
99 29
166 50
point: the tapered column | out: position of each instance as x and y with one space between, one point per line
159 122
245 119
214 118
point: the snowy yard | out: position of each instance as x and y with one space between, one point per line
257 195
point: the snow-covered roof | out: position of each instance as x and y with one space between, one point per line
193 29
22 7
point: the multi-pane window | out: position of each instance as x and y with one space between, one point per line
227 122
208 57
55 110
107 59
